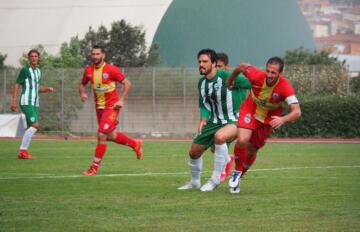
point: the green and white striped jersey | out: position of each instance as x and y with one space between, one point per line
29 78
217 103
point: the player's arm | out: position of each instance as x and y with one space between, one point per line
295 113
204 112
82 92
14 98
240 68
126 86
45 89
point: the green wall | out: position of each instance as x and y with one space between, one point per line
247 30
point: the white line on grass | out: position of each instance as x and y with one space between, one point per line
50 176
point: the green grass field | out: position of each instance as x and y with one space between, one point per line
291 187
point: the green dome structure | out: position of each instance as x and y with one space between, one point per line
247 30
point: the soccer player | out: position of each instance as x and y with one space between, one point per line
29 80
260 112
103 78
218 115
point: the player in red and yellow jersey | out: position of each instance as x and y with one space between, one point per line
103 78
260 112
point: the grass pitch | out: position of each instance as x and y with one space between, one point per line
291 187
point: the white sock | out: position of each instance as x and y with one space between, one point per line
221 152
27 138
195 168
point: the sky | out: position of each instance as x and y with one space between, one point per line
25 23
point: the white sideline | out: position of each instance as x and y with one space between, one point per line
50 176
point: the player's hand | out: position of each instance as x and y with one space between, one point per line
202 123
84 97
13 107
119 104
229 84
50 90
277 122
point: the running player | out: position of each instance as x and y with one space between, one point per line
103 78
218 116
260 112
29 80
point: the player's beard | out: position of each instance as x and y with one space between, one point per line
204 71
98 61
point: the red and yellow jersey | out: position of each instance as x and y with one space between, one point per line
268 100
103 81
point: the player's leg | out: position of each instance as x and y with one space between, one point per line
98 155
111 117
195 165
221 156
240 152
32 118
101 146
200 143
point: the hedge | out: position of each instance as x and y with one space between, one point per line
331 116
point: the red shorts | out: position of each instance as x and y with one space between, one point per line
107 119
260 130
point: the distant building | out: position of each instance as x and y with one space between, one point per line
340 44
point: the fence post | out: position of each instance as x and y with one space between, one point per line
153 100
184 98
347 80
122 116
62 101
5 83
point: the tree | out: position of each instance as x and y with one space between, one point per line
2 60
306 57
69 57
124 45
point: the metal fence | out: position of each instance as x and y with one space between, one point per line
162 101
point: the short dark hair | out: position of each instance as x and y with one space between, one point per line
210 52
223 57
96 46
33 51
276 60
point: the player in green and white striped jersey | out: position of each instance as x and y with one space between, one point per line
29 80
219 108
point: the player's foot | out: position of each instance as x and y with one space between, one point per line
209 186
235 190
138 149
90 172
24 154
190 185
234 179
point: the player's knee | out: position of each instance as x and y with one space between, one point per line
194 155
102 137
35 125
242 142
220 139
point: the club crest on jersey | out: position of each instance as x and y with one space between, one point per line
275 96
105 75
247 118
216 86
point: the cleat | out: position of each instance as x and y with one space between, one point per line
209 186
190 185
138 149
90 172
235 190
24 154
234 179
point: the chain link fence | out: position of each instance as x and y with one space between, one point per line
162 101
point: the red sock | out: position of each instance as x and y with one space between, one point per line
240 157
99 154
248 162
121 138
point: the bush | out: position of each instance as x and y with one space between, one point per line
355 84
325 116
